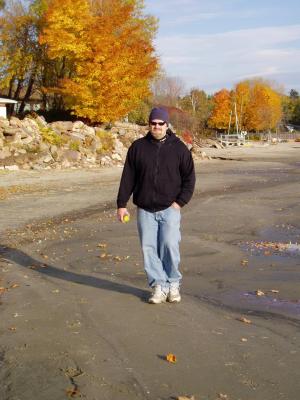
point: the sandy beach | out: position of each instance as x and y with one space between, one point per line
75 322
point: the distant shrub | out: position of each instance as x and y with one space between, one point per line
107 142
32 149
51 137
75 145
88 141
187 137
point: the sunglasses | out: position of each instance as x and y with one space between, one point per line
152 123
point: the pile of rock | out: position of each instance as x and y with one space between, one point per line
32 143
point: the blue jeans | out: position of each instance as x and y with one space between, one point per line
160 236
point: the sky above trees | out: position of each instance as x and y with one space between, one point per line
214 44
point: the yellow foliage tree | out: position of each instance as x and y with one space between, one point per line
107 48
241 96
17 53
23 62
263 110
220 116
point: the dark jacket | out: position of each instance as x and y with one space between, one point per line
157 173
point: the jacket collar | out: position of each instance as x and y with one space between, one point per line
170 137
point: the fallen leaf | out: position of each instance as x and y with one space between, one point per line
171 358
2 290
244 262
102 245
245 320
259 293
186 398
223 396
14 286
12 328
55 291
117 258
274 291
244 339
103 255
72 392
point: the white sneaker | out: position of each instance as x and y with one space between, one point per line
158 296
174 294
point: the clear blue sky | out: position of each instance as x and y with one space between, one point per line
212 44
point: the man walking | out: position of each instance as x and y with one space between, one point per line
159 171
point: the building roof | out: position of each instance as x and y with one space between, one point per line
7 101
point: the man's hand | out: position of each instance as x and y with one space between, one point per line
121 212
175 205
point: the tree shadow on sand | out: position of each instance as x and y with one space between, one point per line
24 260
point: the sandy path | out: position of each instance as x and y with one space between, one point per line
78 324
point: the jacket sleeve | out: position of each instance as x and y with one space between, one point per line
188 179
127 180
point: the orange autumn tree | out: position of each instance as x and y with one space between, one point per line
106 54
220 116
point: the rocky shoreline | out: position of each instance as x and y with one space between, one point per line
32 143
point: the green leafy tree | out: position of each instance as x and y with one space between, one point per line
199 105
294 94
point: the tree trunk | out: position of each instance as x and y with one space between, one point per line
28 93
19 88
11 84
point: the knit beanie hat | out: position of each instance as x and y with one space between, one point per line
159 113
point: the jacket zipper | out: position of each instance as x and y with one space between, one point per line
155 175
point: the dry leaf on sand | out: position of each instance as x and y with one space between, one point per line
171 358
245 320
259 293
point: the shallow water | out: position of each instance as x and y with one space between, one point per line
268 303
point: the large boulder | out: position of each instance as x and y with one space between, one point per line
40 121
78 125
15 122
61 126
10 130
47 158
30 126
120 149
5 153
116 157
15 139
76 135
27 140
12 167
4 122
71 156
88 131
105 161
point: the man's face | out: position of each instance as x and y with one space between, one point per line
158 128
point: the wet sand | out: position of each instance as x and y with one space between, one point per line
75 322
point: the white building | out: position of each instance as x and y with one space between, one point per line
3 103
